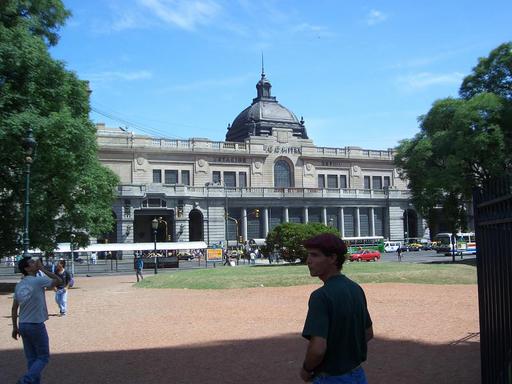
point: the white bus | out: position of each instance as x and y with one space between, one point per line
464 243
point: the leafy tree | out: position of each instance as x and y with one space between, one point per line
462 141
288 238
70 189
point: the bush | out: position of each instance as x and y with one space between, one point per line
287 239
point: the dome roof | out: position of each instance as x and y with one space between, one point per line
262 115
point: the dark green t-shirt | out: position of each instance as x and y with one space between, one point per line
338 313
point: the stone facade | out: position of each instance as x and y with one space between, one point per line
272 174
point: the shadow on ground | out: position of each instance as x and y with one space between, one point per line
271 360
458 260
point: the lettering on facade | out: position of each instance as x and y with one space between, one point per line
230 159
332 164
281 149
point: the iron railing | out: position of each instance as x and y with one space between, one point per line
493 227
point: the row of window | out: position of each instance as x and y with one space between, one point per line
239 179
333 181
230 179
171 176
377 182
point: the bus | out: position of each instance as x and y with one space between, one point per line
355 244
464 243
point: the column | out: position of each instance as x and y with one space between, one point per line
285 213
372 222
244 223
358 223
324 215
306 215
341 220
265 222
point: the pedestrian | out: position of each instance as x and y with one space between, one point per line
94 257
399 253
61 290
338 324
138 264
29 298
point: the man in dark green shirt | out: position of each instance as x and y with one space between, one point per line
338 325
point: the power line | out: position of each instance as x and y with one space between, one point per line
140 127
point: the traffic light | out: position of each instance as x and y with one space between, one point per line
240 239
257 213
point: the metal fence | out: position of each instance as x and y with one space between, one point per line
493 227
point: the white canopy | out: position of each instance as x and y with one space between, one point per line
65 247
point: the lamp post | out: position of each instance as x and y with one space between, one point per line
72 247
29 145
154 225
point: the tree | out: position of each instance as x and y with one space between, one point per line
462 141
288 238
70 190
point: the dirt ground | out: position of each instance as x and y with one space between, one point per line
115 333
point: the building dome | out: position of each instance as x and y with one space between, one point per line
264 114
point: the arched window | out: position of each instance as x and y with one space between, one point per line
282 174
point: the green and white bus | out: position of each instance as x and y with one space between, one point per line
355 244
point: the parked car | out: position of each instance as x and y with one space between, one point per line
365 255
392 246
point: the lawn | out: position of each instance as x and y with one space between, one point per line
289 275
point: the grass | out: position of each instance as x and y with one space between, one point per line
291 275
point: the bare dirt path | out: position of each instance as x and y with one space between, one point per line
116 333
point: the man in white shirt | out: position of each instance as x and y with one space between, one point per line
29 297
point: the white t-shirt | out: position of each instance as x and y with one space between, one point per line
30 295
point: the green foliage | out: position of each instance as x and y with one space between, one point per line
462 142
70 189
287 239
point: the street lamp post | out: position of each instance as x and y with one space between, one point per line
72 248
29 145
154 225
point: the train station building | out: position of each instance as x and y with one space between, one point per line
265 172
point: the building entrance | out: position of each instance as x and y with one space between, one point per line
143 230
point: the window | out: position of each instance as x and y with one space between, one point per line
343 181
321 181
332 181
282 175
387 181
377 182
157 175
185 177
154 203
242 179
171 176
367 182
230 179
216 177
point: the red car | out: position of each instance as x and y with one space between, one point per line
365 255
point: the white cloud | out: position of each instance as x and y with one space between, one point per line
317 30
117 75
211 83
426 79
185 14
375 17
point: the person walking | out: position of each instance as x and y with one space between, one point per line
138 264
61 290
399 252
338 325
29 298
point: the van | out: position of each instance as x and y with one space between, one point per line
391 246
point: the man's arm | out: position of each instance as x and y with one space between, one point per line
14 315
369 333
56 280
314 356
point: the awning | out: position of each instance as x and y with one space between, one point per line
65 247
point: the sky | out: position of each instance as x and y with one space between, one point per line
359 72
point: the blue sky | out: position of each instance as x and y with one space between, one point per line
359 72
